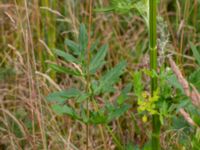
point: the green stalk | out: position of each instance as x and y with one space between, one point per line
153 67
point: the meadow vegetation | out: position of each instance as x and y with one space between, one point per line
99 75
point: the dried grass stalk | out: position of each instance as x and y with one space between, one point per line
193 94
187 117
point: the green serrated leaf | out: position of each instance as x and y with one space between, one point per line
83 38
98 59
124 94
73 47
82 97
68 57
61 69
94 45
117 112
61 110
62 96
110 77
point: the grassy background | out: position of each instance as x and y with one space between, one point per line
30 29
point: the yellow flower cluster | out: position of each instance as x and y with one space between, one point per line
146 103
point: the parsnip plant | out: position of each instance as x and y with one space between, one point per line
148 11
89 106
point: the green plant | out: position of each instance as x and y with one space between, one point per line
150 17
153 67
77 101
126 6
32 29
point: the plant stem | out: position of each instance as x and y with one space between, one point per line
153 67
88 70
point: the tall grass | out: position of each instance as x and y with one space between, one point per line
26 120
48 31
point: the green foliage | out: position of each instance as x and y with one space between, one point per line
61 69
161 102
99 87
73 47
123 96
99 59
67 57
195 53
83 39
196 140
146 102
194 78
180 100
63 96
126 6
119 6
109 78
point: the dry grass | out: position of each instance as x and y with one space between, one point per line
26 120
